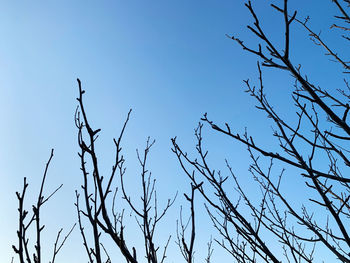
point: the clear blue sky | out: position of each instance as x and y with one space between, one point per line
168 60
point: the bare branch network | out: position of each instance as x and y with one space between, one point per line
272 229
302 146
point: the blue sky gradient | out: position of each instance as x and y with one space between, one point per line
169 61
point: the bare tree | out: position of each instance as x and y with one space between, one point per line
25 222
186 247
315 145
187 250
97 188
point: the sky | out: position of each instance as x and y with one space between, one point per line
169 61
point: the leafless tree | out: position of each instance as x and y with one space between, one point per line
315 145
187 247
187 250
25 222
97 188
